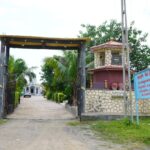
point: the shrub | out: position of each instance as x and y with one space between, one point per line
55 97
17 98
58 97
61 97
48 95
68 92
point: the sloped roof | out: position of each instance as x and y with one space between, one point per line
107 45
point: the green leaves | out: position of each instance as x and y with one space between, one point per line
111 30
60 73
18 70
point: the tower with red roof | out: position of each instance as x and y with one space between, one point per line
108 70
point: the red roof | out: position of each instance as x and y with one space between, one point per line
110 44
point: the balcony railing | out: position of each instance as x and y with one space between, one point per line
108 86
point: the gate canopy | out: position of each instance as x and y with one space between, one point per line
34 42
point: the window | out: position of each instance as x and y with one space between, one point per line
116 59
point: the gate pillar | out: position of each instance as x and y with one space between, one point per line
81 80
2 79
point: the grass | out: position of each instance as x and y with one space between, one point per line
2 121
74 123
121 131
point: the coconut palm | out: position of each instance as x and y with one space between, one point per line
18 69
60 72
18 73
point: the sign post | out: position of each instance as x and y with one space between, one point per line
141 88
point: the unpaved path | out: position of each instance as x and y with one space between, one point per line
38 124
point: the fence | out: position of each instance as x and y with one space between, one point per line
108 86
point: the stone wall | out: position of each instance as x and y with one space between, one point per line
111 102
108 57
96 60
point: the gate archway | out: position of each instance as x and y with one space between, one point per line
32 42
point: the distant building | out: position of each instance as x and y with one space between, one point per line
107 72
34 89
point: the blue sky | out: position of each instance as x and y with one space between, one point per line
62 18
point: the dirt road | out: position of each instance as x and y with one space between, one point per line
38 124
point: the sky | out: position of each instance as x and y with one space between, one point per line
63 18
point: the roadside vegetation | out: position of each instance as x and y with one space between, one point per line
18 73
2 121
60 76
120 131
123 131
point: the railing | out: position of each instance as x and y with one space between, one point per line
108 86
98 85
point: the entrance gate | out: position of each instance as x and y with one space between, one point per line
31 42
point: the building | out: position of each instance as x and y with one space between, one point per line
106 94
108 70
34 89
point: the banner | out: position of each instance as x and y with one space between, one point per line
142 84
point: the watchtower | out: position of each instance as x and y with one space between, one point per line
107 72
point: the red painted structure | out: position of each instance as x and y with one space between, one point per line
108 76
104 78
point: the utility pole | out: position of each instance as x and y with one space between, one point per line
126 62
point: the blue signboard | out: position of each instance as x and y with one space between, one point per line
142 84
141 88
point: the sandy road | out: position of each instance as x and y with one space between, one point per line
38 124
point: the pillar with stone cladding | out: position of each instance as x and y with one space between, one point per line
108 56
2 79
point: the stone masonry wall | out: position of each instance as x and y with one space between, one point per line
96 60
108 57
111 102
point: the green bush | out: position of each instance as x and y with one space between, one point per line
61 97
68 92
17 98
44 93
55 97
48 95
58 97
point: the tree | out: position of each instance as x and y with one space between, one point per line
60 74
18 74
19 71
112 31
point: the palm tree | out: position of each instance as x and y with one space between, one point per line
60 72
18 72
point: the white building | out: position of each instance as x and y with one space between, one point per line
34 89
